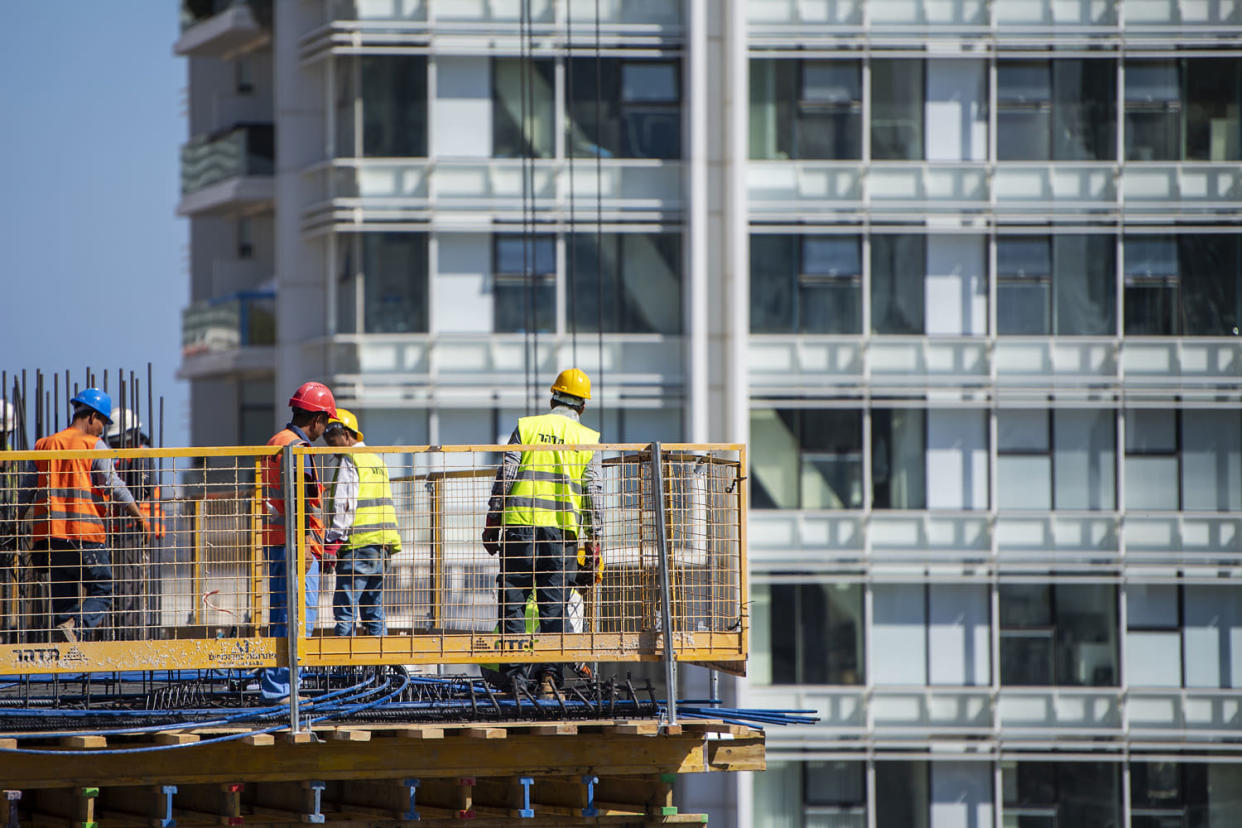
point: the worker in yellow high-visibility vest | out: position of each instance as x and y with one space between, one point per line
363 529
544 500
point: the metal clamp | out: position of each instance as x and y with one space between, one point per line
526 812
411 815
316 786
590 810
168 791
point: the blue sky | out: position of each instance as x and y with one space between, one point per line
94 271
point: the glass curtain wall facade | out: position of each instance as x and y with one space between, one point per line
990 376
994 431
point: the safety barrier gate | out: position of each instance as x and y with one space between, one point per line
195 593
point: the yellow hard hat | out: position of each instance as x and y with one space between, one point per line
346 418
573 382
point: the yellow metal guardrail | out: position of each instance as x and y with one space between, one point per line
196 593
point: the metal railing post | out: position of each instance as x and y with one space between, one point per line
666 605
293 600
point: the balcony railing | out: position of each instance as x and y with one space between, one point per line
244 151
241 320
978 544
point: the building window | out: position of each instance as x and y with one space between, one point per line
1061 459
1024 285
640 287
1061 794
636 114
1181 635
806 459
896 110
1184 793
898 449
523 117
256 415
1185 285
1058 634
815 633
1183 110
1056 110
902 796
386 275
524 296
243 75
816 793
898 265
394 106
245 238
805 284
1152 465
805 109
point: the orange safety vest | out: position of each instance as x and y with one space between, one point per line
68 507
274 525
151 509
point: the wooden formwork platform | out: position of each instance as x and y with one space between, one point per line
572 773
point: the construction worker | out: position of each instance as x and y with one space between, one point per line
69 516
312 405
136 592
542 500
362 529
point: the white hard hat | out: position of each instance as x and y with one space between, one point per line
127 418
8 416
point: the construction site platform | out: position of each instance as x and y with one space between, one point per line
615 772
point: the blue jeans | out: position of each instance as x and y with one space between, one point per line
359 590
74 562
543 559
274 683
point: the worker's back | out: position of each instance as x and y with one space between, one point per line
67 505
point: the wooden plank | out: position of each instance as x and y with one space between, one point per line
8 744
602 754
484 733
258 739
350 734
83 742
419 732
634 729
175 737
563 729
301 737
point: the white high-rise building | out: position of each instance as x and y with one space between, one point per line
965 274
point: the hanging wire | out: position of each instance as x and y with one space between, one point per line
524 83
572 247
533 323
599 217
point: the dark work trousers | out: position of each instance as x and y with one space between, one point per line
538 558
74 562
359 590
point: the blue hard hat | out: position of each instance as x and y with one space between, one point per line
95 400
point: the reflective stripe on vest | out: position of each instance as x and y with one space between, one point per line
274 524
375 518
68 507
547 490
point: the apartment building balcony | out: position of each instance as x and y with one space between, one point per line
222 28
990 191
228 172
476 192
1088 718
229 334
472 368
1013 366
981 544
985 26
479 26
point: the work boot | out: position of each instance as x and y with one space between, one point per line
64 632
547 688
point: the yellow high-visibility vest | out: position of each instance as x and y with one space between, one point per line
375 521
548 487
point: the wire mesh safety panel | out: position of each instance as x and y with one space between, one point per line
204 586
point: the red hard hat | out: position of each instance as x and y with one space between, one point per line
314 396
